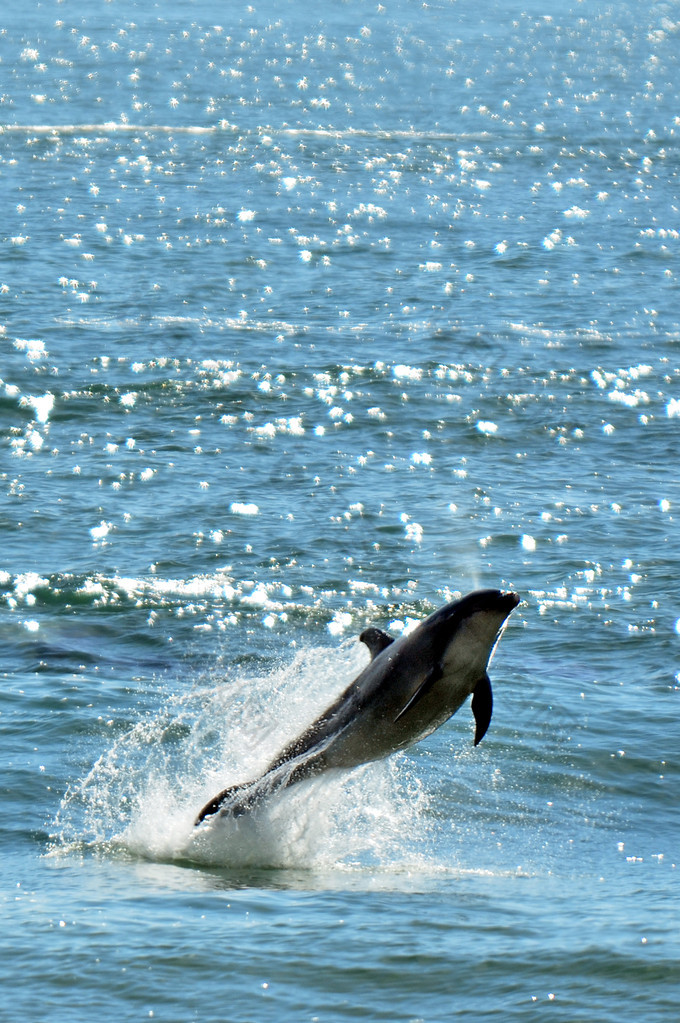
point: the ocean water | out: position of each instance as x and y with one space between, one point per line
315 316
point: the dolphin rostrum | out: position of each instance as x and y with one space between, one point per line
412 685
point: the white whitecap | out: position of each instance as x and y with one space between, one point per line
241 508
485 426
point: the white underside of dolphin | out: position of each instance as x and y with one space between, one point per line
410 687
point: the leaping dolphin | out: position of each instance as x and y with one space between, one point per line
411 686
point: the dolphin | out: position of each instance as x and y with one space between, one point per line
411 686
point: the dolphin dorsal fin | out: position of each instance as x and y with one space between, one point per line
482 706
376 640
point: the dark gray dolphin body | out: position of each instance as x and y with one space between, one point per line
411 686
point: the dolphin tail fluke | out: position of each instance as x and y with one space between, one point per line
241 799
237 799
482 707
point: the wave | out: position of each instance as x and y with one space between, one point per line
108 128
111 128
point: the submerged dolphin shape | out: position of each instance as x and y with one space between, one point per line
412 685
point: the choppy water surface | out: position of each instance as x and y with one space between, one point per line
310 318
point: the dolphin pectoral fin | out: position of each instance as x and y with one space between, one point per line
424 688
376 640
482 706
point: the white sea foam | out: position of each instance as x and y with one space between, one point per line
486 427
244 508
26 583
101 531
33 347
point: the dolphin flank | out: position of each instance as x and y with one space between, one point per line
411 686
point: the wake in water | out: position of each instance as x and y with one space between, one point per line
142 794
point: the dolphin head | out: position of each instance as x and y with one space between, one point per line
471 627
458 642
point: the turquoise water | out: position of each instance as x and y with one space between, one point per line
315 317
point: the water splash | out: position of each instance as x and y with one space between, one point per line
142 794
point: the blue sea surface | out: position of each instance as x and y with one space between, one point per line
314 317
